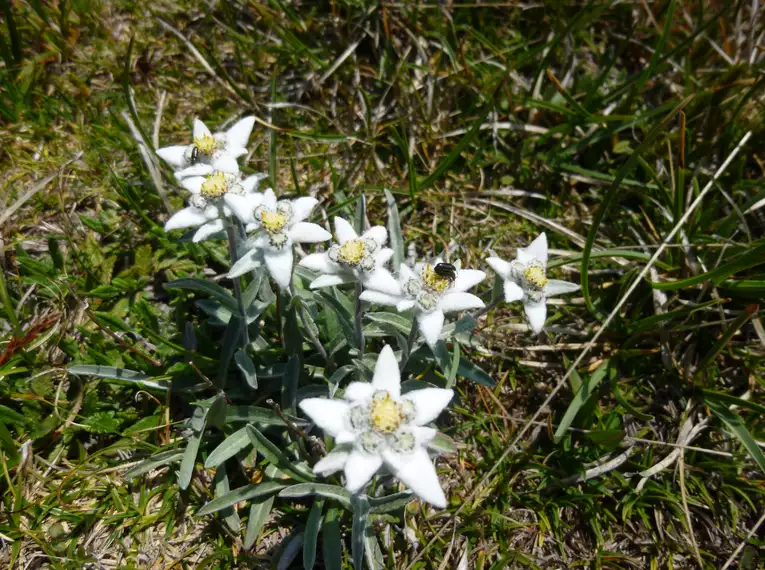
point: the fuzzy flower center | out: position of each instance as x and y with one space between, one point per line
433 280
385 414
352 252
273 222
535 276
206 144
215 186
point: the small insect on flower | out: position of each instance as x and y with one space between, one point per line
192 155
446 270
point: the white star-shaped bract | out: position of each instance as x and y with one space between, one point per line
526 280
376 425
430 295
278 226
209 201
353 259
209 152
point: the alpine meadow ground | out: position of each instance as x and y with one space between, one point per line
216 391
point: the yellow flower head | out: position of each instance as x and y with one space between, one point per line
433 280
535 276
352 252
385 414
215 186
206 144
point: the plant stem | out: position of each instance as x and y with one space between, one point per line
314 339
409 344
359 332
486 309
233 240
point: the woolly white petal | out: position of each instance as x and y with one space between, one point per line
358 391
239 134
173 155
383 281
383 256
431 325
279 263
416 471
302 207
226 163
537 249
453 302
269 199
500 266
387 376
186 218
467 278
428 403
193 184
242 206
557 287
236 151
405 274
344 231
424 435
251 183
332 463
405 305
201 130
249 261
330 280
377 233
198 169
305 232
359 469
207 230
536 313
513 291
329 415
371 296
318 262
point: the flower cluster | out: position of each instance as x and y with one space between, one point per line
374 425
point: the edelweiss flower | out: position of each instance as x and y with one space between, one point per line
377 426
279 225
353 258
209 201
526 280
430 295
209 152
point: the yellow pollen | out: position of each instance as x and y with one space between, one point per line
352 251
206 144
535 275
273 222
215 186
385 414
433 280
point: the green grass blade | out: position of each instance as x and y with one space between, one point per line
737 323
233 444
584 393
736 425
747 260
332 547
259 511
311 536
447 161
394 230
611 195
263 489
358 529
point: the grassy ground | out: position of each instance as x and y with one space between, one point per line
599 123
